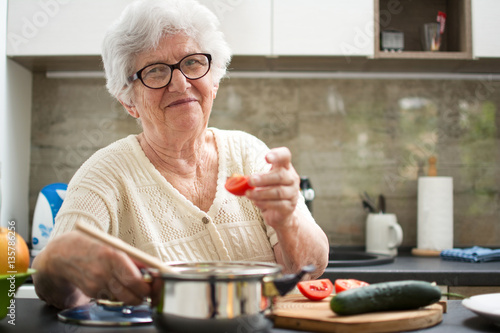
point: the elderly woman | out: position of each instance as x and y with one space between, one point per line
162 191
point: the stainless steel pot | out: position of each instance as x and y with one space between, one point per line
220 296
209 296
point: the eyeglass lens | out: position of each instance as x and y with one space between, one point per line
158 75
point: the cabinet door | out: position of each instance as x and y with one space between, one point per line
246 24
77 27
485 25
323 27
57 27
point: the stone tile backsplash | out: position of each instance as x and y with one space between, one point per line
347 135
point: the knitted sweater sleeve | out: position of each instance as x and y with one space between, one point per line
92 196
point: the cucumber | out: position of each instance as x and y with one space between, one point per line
386 296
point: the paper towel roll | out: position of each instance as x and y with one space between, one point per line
435 213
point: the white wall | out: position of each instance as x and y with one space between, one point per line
16 147
15 122
3 66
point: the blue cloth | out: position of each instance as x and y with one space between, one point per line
472 254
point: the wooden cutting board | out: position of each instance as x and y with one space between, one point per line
298 313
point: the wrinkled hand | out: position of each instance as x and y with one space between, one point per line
276 192
98 270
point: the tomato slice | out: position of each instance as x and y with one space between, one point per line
344 284
316 290
238 184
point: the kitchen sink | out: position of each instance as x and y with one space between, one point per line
341 258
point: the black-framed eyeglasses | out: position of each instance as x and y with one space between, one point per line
158 75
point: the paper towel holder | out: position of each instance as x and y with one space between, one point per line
431 172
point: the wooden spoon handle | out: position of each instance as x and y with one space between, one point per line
131 251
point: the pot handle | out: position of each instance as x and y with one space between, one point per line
282 285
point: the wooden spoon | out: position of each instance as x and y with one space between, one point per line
131 251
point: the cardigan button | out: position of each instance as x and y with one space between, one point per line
205 220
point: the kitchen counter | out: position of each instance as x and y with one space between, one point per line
432 269
33 315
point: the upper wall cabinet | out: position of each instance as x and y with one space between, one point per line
323 27
246 24
77 27
485 26
251 27
59 27
41 30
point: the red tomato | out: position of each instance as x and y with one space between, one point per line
316 290
238 184
264 303
344 284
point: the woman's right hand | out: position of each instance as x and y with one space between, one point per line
74 268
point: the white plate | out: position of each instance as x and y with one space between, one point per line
487 305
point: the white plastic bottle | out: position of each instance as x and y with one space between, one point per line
47 205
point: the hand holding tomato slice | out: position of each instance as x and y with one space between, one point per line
316 290
345 284
238 184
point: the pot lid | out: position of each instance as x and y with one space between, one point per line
222 270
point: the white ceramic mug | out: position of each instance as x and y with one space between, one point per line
383 234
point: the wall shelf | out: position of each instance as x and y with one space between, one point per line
409 16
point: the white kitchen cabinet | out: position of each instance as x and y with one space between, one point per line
251 27
246 24
485 25
59 27
323 27
77 27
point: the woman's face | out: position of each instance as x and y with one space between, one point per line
184 105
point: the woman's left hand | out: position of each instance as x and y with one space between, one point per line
276 192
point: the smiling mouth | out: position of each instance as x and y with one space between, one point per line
182 101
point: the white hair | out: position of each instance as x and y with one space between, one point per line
141 26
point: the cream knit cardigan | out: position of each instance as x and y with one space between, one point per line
119 191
